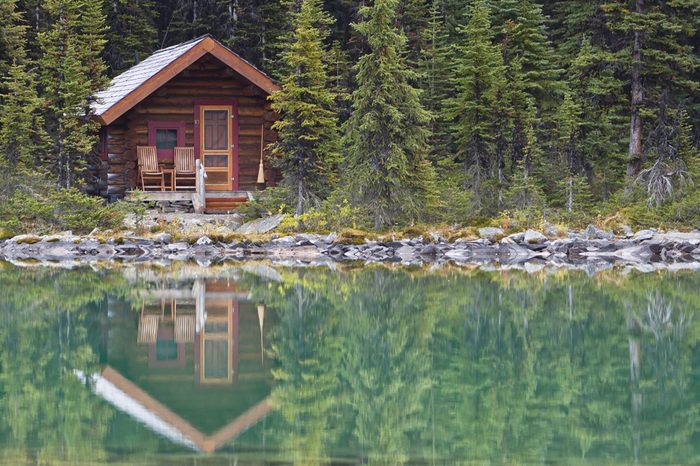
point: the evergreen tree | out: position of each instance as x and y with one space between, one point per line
598 92
22 133
435 79
577 194
131 34
12 35
524 39
72 71
655 45
479 82
386 135
307 150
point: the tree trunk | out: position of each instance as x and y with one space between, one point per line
634 164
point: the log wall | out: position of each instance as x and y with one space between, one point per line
206 79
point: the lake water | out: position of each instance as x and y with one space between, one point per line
249 364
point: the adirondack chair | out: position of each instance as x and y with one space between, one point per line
185 168
149 169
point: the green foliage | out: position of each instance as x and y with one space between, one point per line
27 210
479 84
131 33
386 135
71 72
307 151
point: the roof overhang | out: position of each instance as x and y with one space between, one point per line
206 46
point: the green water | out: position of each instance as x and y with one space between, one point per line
246 364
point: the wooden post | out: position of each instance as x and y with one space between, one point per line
199 198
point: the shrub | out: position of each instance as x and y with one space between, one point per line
57 210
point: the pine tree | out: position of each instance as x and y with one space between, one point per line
307 150
261 33
12 35
569 146
22 135
435 79
523 38
655 45
479 82
386 135
131 34
72 71
599 92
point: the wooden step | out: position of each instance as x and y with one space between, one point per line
224 204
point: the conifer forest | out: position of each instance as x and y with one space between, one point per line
457 112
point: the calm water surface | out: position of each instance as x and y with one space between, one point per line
248 364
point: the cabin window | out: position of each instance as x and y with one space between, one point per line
165 136
216 130
166 350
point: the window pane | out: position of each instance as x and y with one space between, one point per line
216 129
166 138
216 359
216 161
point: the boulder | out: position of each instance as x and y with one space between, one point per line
204 241
25 239
163 238
430 250
261 225
626 231
643 235
534 237
490 233
594 233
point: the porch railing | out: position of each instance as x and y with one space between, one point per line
199 198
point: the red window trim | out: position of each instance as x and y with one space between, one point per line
179 126
233 136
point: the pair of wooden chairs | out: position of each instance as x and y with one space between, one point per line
151 172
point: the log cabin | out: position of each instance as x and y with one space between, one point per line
196 94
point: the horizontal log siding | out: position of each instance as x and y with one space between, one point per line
206 79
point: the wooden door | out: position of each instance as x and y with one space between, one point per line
217 146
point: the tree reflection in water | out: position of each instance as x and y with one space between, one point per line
381 366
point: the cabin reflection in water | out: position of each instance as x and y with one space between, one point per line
194 368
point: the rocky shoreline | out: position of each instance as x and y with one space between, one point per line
646 250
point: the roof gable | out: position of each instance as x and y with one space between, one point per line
141 80
129 398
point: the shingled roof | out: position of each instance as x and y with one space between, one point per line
139 81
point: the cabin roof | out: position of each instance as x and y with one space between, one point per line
138 82
133 400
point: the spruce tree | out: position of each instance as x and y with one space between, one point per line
12 35
598 89
131 34
655 45
478 85
71 72
22 135
386 135
435 79
569 145
307 150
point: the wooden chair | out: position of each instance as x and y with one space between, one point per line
148 167
185 167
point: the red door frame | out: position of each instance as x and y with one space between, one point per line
179 126
233 137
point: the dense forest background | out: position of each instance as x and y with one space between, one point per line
395 112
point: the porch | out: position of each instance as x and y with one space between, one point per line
202 200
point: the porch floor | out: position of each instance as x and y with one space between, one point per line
220 202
